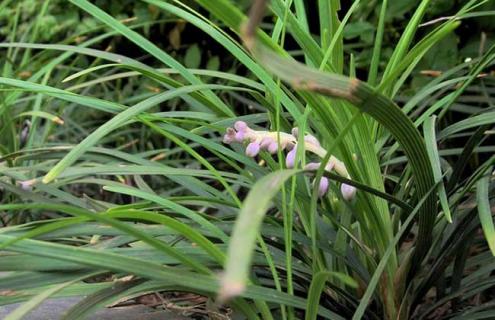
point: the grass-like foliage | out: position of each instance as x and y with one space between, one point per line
312 169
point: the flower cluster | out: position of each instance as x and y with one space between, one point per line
272 141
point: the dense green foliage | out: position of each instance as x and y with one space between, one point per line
113 161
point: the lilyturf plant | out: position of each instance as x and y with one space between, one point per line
284 169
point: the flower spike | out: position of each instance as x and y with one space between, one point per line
272 141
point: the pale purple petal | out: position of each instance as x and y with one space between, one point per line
240 135
252 149
348 191
330 166
273 147
313 166
295 132
265 143
27 184
311 139
229 136
227 139
323 187
291 158
240 126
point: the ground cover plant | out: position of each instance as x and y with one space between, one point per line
281 159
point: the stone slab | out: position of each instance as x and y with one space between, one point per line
54 309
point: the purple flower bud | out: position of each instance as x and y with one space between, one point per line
240 135
348 191
252 149
240 126
27 185
313 166
291 158
323 187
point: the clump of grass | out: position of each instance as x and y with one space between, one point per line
122 167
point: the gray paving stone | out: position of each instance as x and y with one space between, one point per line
53 309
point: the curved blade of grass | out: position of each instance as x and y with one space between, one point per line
474 73
467 151
377 48
433 87
58 61
316 288
485 210
98 104
406 38
151 48
41 114
472 122
22 280
183 229
431 145
174 224
200 72
116 122
172 205
147 170
24 262
246 230
89 70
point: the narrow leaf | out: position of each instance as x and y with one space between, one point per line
484 210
